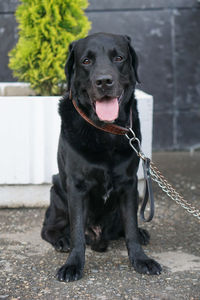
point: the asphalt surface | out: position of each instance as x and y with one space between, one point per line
28 264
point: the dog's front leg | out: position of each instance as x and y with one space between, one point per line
129 206
73 268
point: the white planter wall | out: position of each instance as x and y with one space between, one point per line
29 129
29 132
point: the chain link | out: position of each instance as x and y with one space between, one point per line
171 192
160 179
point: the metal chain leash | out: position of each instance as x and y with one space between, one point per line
171 192
161 180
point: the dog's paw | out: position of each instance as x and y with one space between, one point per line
62 245
100 246
147 266
69 273
144 236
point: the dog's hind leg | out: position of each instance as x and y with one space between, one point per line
56 224
96 239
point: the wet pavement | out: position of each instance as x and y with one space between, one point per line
28 264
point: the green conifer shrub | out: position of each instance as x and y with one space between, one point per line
46 28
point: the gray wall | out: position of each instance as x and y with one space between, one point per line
166 36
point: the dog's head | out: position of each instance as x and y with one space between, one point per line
101 71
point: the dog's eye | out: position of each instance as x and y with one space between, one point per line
86 61
118 58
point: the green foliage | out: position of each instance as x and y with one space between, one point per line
46 28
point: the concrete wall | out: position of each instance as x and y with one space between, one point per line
165 34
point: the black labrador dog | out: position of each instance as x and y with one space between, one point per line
94 197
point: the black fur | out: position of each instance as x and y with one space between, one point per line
94 197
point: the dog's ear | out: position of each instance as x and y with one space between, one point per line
134 58
69 67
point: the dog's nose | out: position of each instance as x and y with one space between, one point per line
104 81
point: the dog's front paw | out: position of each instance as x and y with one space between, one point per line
147 266
69 273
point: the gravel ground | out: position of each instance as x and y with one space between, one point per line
28 264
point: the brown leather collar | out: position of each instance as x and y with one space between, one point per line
110 128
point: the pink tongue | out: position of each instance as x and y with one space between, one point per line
107 110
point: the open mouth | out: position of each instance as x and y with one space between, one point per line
107 108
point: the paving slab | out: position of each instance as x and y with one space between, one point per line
28 264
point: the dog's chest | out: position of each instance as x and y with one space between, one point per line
101 188
106 150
